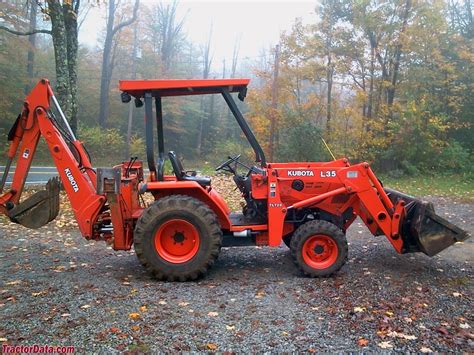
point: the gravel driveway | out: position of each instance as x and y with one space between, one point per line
60 289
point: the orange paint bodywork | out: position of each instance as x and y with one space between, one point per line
335 189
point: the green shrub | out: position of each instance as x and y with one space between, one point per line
455 158
137 147
302 142
106 146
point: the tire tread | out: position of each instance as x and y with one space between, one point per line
314 227
167 204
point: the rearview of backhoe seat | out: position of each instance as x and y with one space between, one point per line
183 175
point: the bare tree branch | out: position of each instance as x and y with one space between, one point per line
80 22
129 21
18 33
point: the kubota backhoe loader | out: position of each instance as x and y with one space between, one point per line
178 237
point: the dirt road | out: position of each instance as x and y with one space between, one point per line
60 289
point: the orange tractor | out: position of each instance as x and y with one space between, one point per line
179 236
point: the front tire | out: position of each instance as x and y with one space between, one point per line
319 248
177 238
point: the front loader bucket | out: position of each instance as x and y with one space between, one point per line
422 229
40 208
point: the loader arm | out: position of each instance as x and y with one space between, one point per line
340 192
74 168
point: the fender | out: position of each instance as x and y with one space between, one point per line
191 188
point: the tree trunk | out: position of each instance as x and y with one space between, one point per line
329 77
235 58
70 21
58 31
131 104
207 61
32 46
63 17
398 53
107 58
371 85
104 77
273 112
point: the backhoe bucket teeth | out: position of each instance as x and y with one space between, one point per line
38 209
422 229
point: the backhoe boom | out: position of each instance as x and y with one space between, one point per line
74 168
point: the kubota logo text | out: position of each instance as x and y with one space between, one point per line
300 173
71 180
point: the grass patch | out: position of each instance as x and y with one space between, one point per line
449 186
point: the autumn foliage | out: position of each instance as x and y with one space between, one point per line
389 82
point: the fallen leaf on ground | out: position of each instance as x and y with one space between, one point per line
162 302
65 314
183 304
211 346
426 350
213 314
401 335
442 331
385 345
11 283
464 326
86 306
135 327
230 327
36 294
114 329
359 309
134 315
3 340
456 294
143 309
362 342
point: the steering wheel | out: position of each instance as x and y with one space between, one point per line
226 165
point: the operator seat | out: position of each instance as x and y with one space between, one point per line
183 175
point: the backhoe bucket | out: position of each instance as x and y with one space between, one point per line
422 229
38 209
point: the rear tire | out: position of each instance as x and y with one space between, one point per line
319 248
177 238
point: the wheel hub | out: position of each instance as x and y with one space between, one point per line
177 241
320 251
178 237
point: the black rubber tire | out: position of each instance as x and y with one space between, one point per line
309 229
287 240
191 210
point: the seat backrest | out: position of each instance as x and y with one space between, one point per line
176 164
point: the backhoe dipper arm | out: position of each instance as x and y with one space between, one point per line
75 170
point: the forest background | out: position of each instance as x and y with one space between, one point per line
388 82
